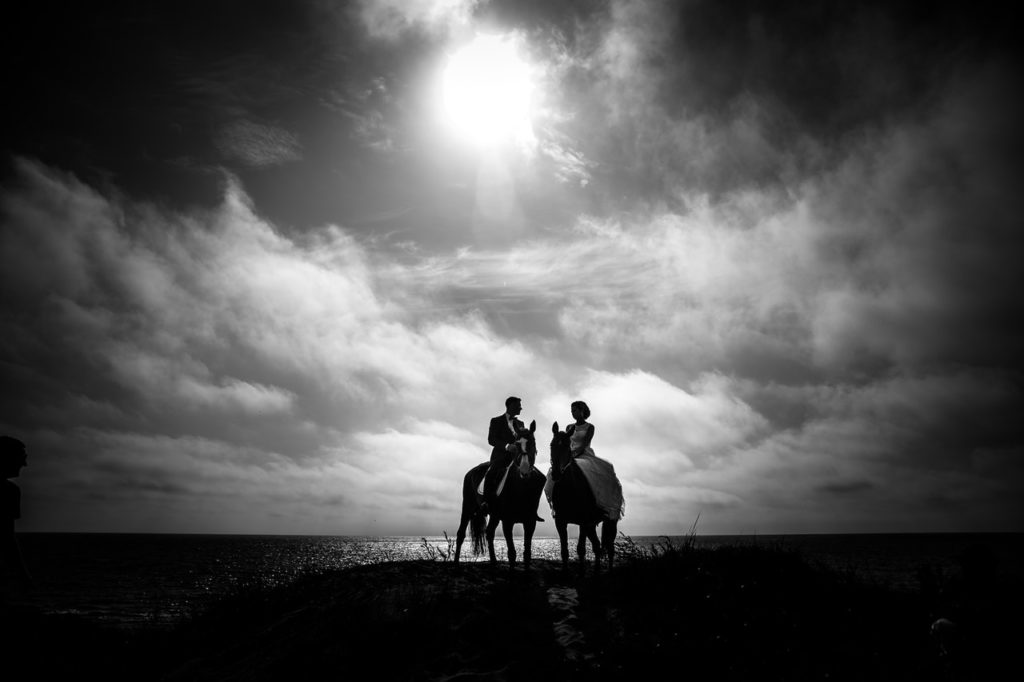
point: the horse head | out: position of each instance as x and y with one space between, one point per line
561 452
526 446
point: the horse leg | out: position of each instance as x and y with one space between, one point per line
460 537
492 526
528 528
581 546
563 541
506 529
609 529
595 543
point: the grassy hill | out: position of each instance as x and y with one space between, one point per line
737 613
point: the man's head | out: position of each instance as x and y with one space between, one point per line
12 456
513 405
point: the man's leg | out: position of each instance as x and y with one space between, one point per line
499 462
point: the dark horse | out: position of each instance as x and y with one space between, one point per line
517 503
572 501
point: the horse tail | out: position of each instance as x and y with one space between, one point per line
478 530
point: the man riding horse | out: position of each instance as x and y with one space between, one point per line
510 484
503 435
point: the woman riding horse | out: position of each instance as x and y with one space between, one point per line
572 501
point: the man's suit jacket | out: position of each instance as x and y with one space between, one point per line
499 435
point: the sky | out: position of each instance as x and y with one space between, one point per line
271 267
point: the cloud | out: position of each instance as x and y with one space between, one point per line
914 227
677 99
389 19
663 439
212 332
258 145
783 322
894 453
846 487
176 370
894 257
569 164
864 314
655 427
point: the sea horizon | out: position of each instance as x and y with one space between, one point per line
518 533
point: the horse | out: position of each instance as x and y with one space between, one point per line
572 501
516 503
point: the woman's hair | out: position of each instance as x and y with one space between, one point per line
583 408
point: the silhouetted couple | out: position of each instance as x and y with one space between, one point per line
506 431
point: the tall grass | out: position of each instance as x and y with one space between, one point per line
437 552
627 549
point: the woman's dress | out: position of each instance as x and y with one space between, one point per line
599 473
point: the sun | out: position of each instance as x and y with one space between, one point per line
486 90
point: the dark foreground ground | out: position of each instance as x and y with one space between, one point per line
747 613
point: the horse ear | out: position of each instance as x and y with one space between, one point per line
533 426
554 428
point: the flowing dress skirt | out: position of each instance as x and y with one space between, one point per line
607 489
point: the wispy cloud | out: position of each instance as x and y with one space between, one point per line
390 19
258 145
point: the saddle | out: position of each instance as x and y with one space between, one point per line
524 469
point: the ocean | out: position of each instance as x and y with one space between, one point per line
134 581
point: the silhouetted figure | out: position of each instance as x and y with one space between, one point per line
600 473
518 489
574 498
504 431
12 458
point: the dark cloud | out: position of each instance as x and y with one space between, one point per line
704 97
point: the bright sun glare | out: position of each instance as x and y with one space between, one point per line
485 91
